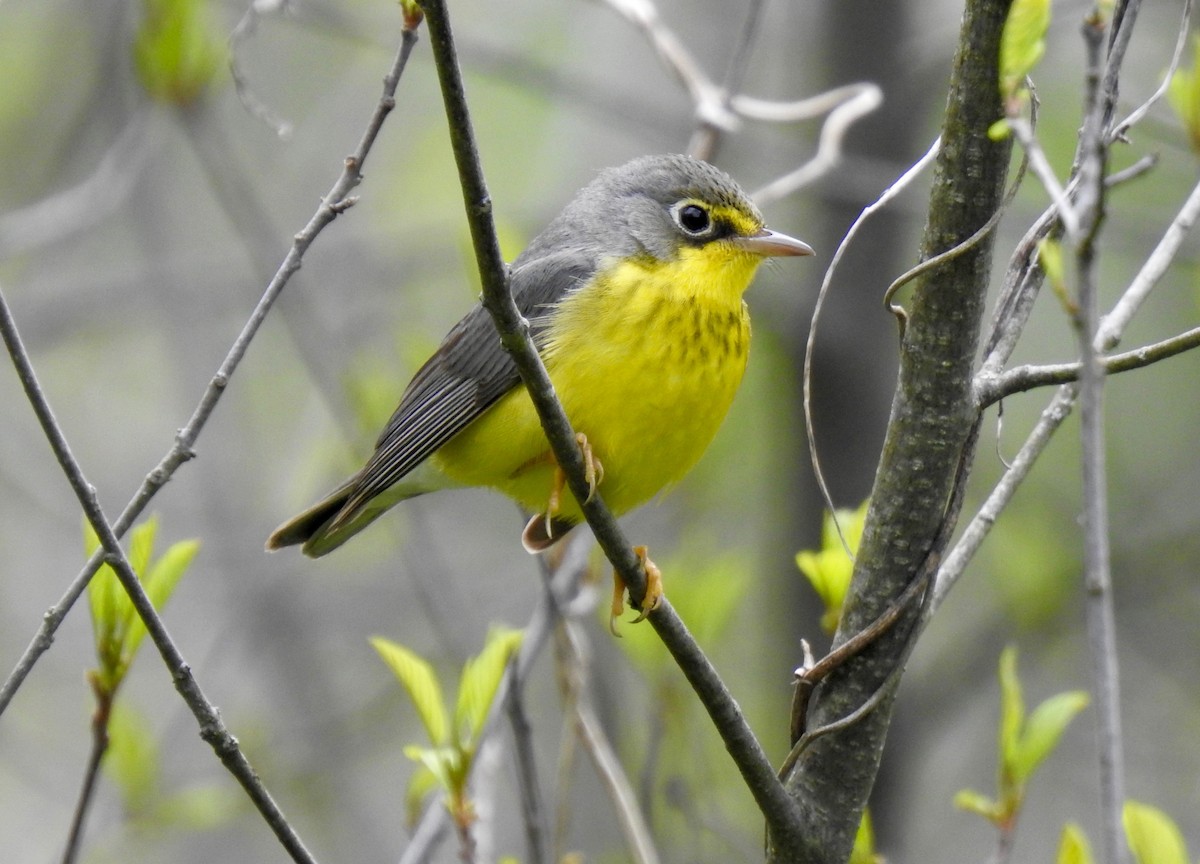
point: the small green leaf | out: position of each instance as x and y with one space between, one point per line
829 570
1043 730
1012 714
864 843
999 130
978 803
1153 836
480 678
444 763
141 545
1022 43
177 51
1073 848
421 682
160 583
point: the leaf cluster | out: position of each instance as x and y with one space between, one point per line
118 629
1025 740
446 762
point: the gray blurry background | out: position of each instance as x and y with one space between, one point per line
129 297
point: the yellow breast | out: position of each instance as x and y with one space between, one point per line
646 360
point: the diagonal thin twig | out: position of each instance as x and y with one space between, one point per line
333 204
727 717
212 728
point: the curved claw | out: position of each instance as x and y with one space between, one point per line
651 600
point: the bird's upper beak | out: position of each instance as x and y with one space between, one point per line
770 243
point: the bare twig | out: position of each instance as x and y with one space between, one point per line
1119 131
891 192
990 390
638 839
719 108
727 718
977 529
334 203
533 813
1040 165
91 774
212 728
243 30
709 100
846 105
707 136
1100 99
1109 332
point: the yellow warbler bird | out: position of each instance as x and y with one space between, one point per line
634 297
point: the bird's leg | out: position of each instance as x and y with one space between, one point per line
593 472
652 597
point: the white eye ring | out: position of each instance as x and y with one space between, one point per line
692 218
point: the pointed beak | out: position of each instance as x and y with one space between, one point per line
772 244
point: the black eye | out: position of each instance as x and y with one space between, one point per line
693 219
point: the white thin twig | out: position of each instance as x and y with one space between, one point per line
1135 116
1040 165
900 184
1109 332
846 105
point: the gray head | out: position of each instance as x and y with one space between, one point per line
654 205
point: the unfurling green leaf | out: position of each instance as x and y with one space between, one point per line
1073 848
444 763
978 803
1022 43
1043 730
118 628
1153 836
418 678
829 569
1012 713
480 678
160 583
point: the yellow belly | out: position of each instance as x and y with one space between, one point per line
644 365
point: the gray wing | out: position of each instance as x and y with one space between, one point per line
467 374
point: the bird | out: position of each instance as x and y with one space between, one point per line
634 298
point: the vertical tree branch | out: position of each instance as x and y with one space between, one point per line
931 422
1099 103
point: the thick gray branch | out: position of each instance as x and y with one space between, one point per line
927 443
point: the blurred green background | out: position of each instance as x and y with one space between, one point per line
136 236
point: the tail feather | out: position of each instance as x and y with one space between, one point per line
312 526
542 532
336 518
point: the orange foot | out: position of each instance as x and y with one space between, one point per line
654 590
593 472
546 529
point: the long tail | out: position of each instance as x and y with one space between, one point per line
326 525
